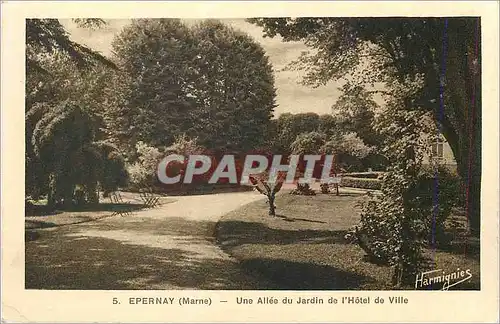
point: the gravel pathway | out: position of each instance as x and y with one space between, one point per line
171 247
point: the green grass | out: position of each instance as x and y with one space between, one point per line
304 247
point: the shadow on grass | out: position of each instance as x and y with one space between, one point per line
345 194
460 241
35 224
288 275
59 261
293 219
469 248
40 210
30 235
111 207
233 233
80 215
43 210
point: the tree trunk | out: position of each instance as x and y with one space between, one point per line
473 189
272 207
68 195
51 194
463 75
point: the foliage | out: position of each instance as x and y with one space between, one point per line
355 146
338 128
48 36
406 56
113 172
414 215
390 222
355 112
61 139
348 149
325 188
365 175
64 104
64 81
207 81
183 145
433 195
364 183
329 125
143 172
303 189
393 51
62 155
90 23
375 161
289 126
308 143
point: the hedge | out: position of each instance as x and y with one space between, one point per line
352 182
364 175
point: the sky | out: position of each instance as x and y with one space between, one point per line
291 97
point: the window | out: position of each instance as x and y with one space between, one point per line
437 149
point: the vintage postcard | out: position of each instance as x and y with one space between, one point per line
250 161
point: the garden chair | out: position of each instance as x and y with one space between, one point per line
149 198
124 208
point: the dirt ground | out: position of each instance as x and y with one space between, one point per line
171 247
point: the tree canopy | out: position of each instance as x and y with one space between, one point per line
64 127
433 64
164 80
48 36
207 81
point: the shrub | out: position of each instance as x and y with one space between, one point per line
303 189
433 195
325 188
374 184
138 175
113 173
389 228
375 161
365 175
143 171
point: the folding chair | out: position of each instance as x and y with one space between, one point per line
149 199
124 207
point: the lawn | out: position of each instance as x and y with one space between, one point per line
304 247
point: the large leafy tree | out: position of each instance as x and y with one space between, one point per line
62 143
154 55
440 57
329 125
48 36
207 81
306 144
289 126
355 112
65 100
57 69
235 90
